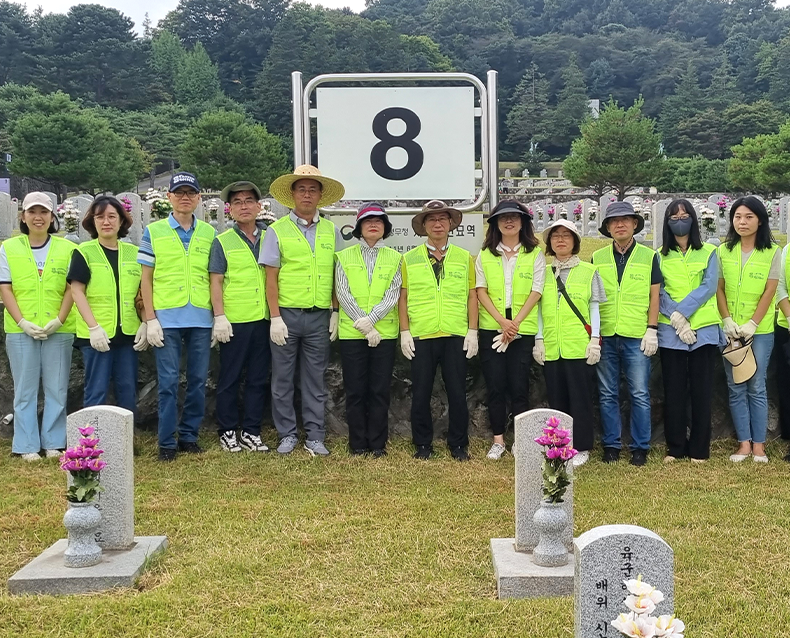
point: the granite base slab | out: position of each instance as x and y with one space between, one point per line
518 577
47 574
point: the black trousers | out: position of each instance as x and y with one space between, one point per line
680 368
428 354
506 373
367 377
781 337
569 386
248 348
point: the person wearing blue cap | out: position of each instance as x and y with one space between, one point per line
174 253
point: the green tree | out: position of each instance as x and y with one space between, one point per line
572 107
17 39
619 150
528 119
700 134
749 120
197 79
167 55
223 147
688 100
761 164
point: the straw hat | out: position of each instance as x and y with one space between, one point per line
435 206
332 191
739 354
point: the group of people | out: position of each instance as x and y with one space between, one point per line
274 298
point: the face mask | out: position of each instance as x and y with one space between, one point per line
680 227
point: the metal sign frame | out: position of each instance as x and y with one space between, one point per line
487 112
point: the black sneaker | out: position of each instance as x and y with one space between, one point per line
423 452
167 454
638 457
377 454
459 453
190 447
358 452
228 441
611 455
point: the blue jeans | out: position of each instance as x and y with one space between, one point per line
119 364
623 352
749 400
33 362
197 342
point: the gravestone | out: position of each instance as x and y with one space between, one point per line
525 173
218 206
659 208
81 203
544 173
783 209
605 557
560 174
8 215
507 173
200 211
517 576
137 212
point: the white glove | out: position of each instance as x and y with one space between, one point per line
99 339
470 343
364 325
649 343
687 335
374 338
53 326
499 344
730 328
32 330
141 339
407 344
278 332
677 320
334 320
154 333
222 330
539 351
593 352
747 330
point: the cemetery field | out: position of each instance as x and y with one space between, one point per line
392 547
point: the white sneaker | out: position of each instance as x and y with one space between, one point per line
52 454
738 458
496 452
31 456
252 442
228 441
581 458
760 459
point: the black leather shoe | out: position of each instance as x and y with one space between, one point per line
638 457
377 454
611 455
459 453
423 452
190 447
787 458
358 452
167 454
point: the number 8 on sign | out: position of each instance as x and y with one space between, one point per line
414 153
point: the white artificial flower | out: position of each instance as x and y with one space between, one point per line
640 604
635 626
669 627
637 587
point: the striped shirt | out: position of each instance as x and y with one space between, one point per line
346 299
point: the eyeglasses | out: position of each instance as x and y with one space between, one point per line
243 202
302 190
675 218
188 194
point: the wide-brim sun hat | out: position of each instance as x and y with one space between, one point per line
508 206
435 206
371 209
556 224
741 357
620 209
332 191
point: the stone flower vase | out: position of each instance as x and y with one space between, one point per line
550 520
81 521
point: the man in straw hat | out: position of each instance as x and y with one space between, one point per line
438 322
299 255
629 325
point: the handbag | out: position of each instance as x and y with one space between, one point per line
561 288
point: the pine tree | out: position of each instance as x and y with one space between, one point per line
528 119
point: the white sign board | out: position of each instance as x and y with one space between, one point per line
469 235
398 143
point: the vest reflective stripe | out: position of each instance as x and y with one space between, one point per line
563 334
625 311
101 289
181 276
244 284
306 276
39 298
522 285
368 294
442 308
780 318
744 287
682 275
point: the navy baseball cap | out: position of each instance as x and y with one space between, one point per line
183 179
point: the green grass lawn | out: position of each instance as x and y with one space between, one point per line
268 546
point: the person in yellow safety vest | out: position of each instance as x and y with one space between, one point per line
438 321
749 266
781 353
367 284
39 326
174 254
105 279
299 255
563 346
509 275
241 320
629 325
689 332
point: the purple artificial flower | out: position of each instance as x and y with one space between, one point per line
86 431
544 440
562 433
553 422
89 442
553 453
96 465
567 453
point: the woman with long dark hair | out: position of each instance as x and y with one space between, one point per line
510 271
749 264
688 332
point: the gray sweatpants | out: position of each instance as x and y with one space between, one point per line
308 340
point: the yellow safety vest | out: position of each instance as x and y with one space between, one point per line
101 289
563 334
522 287
244 285
781 319
682 275
743 287
369 293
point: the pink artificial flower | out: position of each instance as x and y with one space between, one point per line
553 422
553 453
86 431
543 440
96 465
567 453
89 442
562 433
